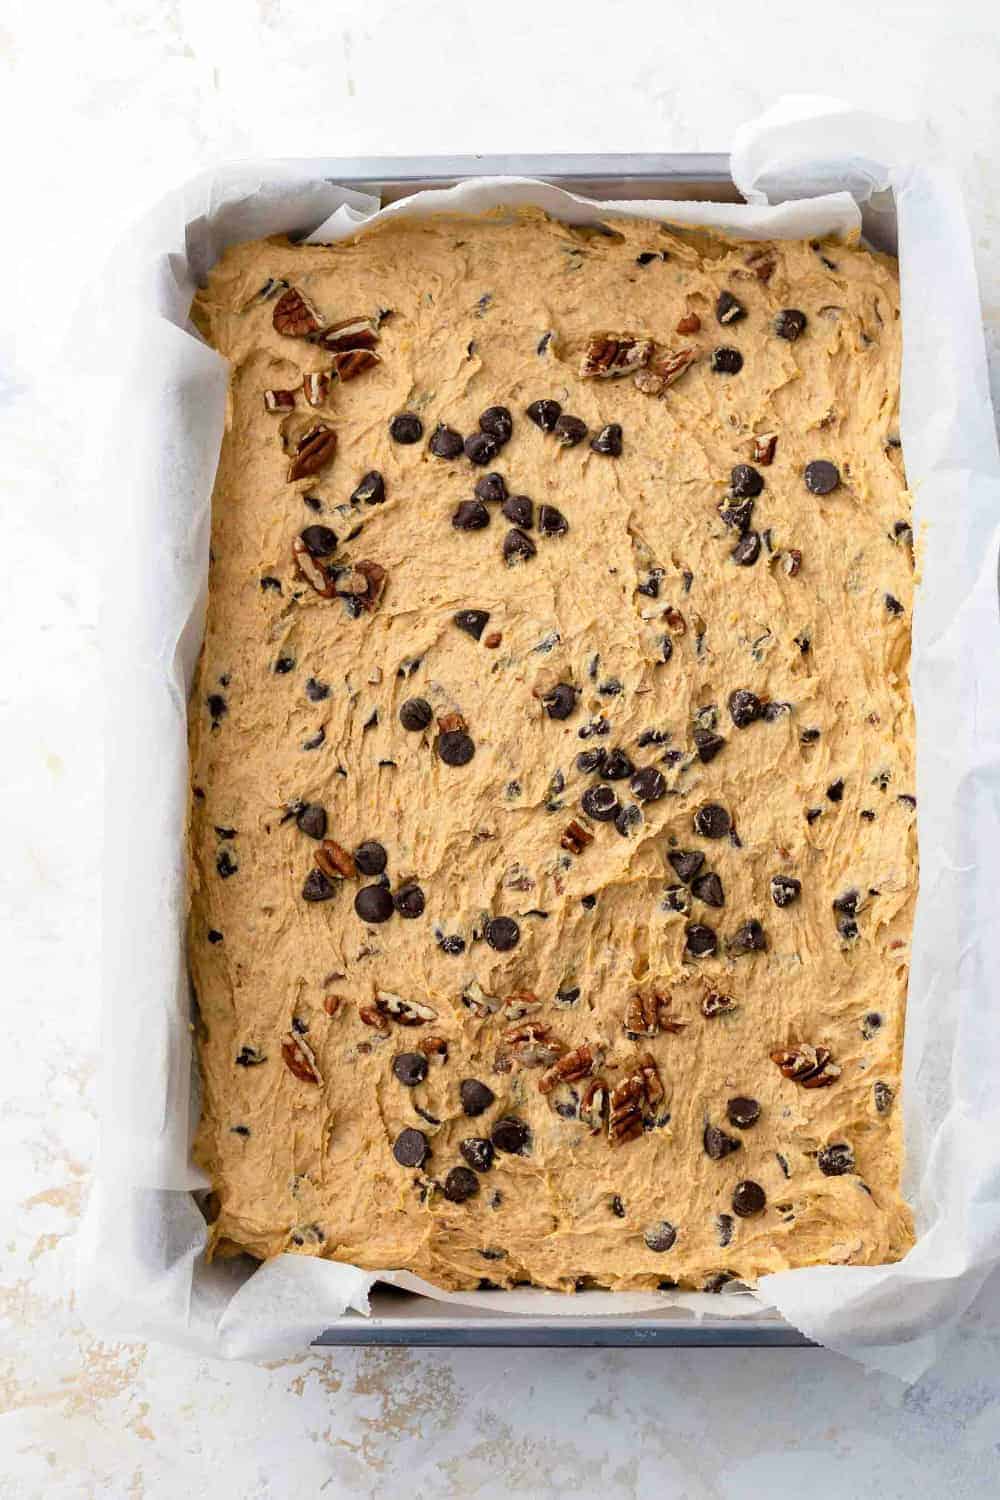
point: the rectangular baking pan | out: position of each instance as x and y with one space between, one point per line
403 1318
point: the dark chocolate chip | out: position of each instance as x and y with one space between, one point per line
893 605
707 744
409 901
750 938
649 255
460 1185
519 510
628 820
773 711
744 707
317 887
284 665
472 621
445 442
712 821
552 522
491 488
835 791
471 515
225 864
451 945
411 1148
373 903
243 1130
617 1207
406 427
319 541
544 414
747 550
724 1226
648 784
598 726
410 1068
789 323
480 448
511 1135
455 748
821 477
650 585
748 1199
718 1144
476 1097
600 802
311 820
686 863
517 547
569 430
271 583
214 936
652 737
835 1160
675 898
742 1112
847 903
708 888
608 440
745 482
699 940
477 1152
726 361
847 928
883 1096
729 309
809 736
316 691
611 688
217 706
871 1022
250 1057
660 1236
589 761
415 714
785 889
497 422
560 701
370 858
315 740
737 516
370 490
502 934
617 766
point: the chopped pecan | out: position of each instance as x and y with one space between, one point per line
332 1004
810 1066
376 576
642 1086
435 1048
764 447
714 1004
374 1018
690 323
532 1045
674 620
671 364
645 1014
350 363
761 263
575 837
279 400
791 561
651 1078
649 383
406 1012
313 451
579 1063
520 1004
352 333
294 315
299 1058
610 355
449 723
312 571
316 387
335 861
594 1104
475 998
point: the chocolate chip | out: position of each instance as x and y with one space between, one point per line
319 541
450 945
737 516
477 1152
728 309
747 550
789 323
589 761
316 691
608 440
445 442
250 1057
628 819
748 1199
411 1148
491 488
835 791
370 490
717 1144
226 865
686 863
750 938
480 448
650 585
471 515
617 1207
415 714
214 936
699 940
675 898
809 736
410 1068
544 414
519 510
217 706
460 1185
560 701
742 1112
311 820
317 887
835 1160
406 427
552 522
785 889
653 737
726 361
370 858
745 482
660 1237
472 621
893 605
712 821
271 583
455 748
373 903
409 901
502 934
497 422
598 726
475 1096
600 802
648 784
724 1226
517 547
821 478
744 707
617 766
315 740
870 1024
284 665
570 431
707 744
647 256
883 1096
708 888
511 1135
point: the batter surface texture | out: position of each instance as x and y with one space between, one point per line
552 835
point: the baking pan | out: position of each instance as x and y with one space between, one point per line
403 1318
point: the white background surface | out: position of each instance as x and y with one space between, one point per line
103 107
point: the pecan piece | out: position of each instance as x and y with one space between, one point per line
645 1014
714 1004
762 264
374 1018
376 576
475 998
450 723
335 861
299 1058
316 387
279 400
349 363
332 1004
311 570
649 383
352 333
295 316
313 451
674 621
532 1045
406 1012
610 355
579 1063
575 837
810 1066
671 364
594 1104
435 1049
764 447
650 1078
642 1086
791 561
520 1004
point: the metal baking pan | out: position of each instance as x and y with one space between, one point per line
403 1318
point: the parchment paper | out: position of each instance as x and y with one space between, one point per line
142 1273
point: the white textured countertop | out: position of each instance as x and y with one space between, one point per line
103 108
